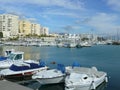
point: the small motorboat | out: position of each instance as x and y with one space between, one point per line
13 57
82 78
23 70
52 76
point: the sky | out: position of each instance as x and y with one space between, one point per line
68 16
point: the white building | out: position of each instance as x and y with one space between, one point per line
35 29
44 31
9 25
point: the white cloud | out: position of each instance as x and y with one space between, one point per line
114 4
105 23
69 4
60 3
59 12
69 8
71 28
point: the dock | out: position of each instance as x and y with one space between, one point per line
7 85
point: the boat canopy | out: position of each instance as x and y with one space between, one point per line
2 58
61 67
75 64
24 67
42 63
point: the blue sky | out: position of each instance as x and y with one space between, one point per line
68 16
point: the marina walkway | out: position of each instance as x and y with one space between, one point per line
7 85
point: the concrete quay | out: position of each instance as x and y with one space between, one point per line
7 85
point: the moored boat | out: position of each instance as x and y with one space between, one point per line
82 78
23 70
52 76
84 44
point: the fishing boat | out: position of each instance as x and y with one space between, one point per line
23 70
52 76
13 57
82 78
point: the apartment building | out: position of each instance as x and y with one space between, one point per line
24 27
9 25
44 31
35 29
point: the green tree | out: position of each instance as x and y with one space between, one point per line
1 35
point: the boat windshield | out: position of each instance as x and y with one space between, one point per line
18 56
11 56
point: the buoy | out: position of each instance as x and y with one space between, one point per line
53 62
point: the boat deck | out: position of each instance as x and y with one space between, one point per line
88 71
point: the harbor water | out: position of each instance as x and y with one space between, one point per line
104 57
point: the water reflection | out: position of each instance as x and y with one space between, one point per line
102 86
52 87
36 86
1 51
29 52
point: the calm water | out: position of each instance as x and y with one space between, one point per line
105 58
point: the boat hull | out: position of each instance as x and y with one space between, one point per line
78 87
53 80
21 75
100 80
18 77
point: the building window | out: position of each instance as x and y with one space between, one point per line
3 16
8 29
23 31
24 25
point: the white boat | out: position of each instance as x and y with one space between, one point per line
60 45
72 45
52 76
13 57
81 78
23 70
83 44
